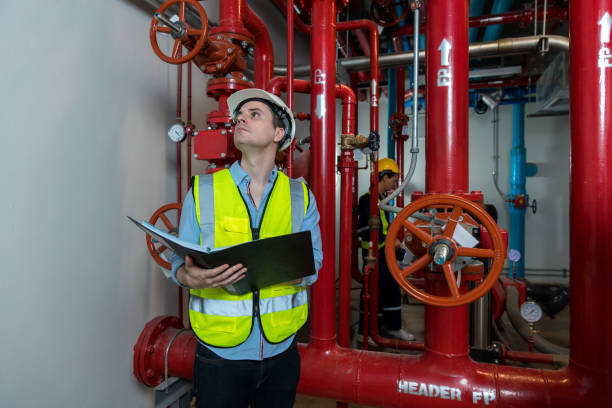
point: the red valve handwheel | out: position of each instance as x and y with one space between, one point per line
156 248
384 14
201 34
458 206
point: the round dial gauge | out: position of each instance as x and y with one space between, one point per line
176 133
531 311
514 255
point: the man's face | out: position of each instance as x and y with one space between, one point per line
389 181
255 127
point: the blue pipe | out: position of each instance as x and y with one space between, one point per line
493 32
519 171
476 9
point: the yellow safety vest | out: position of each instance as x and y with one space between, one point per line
218 317
385 228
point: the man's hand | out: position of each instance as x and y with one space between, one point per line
195 277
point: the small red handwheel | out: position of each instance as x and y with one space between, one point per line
156 249
442 249
184 34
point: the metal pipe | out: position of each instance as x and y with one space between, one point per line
290 80
264 52
518 181
496 153
323 148
190 135
504 46
590 209
446 151
481 328
399 107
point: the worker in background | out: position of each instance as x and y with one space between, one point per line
389 293
246 352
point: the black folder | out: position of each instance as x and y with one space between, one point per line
268 261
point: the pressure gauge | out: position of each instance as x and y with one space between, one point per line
514 255
531 311
176 133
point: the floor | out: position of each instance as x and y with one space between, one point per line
555 330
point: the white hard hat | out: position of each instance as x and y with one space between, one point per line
235 101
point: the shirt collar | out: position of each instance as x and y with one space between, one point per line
240 176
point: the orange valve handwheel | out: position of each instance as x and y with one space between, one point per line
156 249
443 248
183 33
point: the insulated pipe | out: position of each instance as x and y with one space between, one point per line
264 53
504 46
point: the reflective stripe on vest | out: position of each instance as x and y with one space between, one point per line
385 228
218 317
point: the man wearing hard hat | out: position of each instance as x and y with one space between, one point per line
389 293
246 352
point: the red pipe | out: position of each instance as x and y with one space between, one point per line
190 135
446 162
179 169
290 80
525 17
323 148
347 166
264 53
526 357
231 14
401 85
590 186
447 102
356 274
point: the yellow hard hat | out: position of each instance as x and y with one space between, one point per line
388 164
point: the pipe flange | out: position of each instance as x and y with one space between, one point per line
145 347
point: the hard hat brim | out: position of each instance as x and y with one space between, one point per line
237 98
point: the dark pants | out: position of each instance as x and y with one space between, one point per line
221 383
389 298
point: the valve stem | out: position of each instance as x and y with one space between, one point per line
177 29
441 254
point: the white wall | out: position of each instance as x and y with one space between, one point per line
84 106
547 144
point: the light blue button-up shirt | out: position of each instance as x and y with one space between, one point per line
255 347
